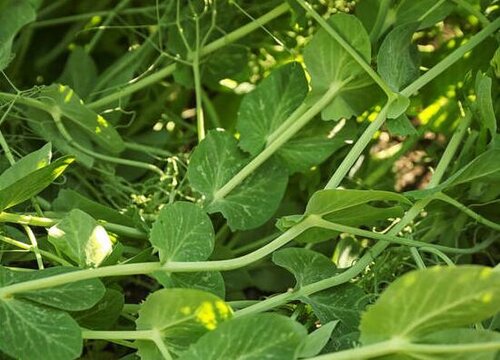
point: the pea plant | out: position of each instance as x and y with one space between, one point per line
212 179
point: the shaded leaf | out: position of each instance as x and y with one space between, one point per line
316 341
210 281
104 314
79 62
410 11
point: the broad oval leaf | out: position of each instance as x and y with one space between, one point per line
104 314
306 265
398 59
33 332
182 232
182 316
263 336
75 296
268 106
81 238
215 161
329 63
424 301
30 185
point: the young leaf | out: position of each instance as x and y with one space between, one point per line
81 238
268 106
316 341
26 165
75 296
401 126
263 336
327 62
32 332
215 161
306 265
73 109
30 185
398 59
182 232
13 16
182 316
104 314
425 301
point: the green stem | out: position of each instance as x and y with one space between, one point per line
211 111
66 135
27 247
324 224
397 346
200 118
466 210
213 46
118 335
439 254
48 222
347 47
150 267
358 148
451 59
286 135
418 259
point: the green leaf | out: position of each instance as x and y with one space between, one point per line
398 59
344 303
79 62
104 314
13 16
485 103
26 165
33 332
316 341
30 185
209 281
315 143
68 200
182 232
182 315
306 265
437 298
426 12
401 126
327 62
484 167
81 238
72 108
326 202
268 106
262 336
75 296
215 161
